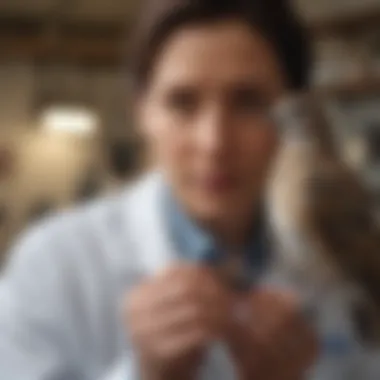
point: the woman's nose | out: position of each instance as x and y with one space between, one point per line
212 131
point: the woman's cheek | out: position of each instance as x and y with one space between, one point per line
261 142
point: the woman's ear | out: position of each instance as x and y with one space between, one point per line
141 114
141 111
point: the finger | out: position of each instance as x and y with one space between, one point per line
272 316
178 345
189 283
299 356
174 302
179 269
187 270
309 347
145 297
267 317
166 291
273 313
208 291
274 323
206 282
239 320
296 336
149 306
241 341
181 317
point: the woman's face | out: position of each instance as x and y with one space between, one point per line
203 114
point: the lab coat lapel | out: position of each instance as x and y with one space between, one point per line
146 226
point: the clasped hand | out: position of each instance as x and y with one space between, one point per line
174 317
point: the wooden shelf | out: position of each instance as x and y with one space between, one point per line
346 23
368 86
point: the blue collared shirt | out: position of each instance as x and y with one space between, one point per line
197 245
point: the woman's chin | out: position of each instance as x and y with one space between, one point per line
220 208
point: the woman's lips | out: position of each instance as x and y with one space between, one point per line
218 183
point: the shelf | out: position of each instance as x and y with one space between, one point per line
369 86
346 23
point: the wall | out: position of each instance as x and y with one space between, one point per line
321 9
49 167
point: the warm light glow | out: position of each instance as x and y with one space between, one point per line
356 151
70 119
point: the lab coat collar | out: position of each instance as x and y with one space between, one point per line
145 225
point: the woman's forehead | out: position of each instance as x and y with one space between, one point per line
221 53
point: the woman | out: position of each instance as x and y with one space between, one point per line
135 286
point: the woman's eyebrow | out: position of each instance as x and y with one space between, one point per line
253 88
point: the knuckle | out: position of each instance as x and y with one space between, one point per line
181 289
163 352
197 313
202 335
140 335
169 272
188 286
283 325
181 271
290 317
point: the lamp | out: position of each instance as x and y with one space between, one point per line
71 119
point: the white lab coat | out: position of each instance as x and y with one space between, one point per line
62 292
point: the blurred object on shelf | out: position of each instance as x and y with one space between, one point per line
339 61
343 17
347 47
123 158
371 40
358 120
40 210
90 186
7 162
356 151
374 143
4 214
63 101
369 85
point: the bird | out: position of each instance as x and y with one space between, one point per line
321 213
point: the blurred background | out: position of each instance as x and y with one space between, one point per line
66 133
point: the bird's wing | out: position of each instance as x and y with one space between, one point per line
341 214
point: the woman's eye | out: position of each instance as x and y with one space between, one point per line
247 101
184 102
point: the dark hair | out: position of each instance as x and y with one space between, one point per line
273 18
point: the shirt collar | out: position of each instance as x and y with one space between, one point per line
195 244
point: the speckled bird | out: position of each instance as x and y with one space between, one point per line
322 216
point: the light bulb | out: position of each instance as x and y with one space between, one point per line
70 119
